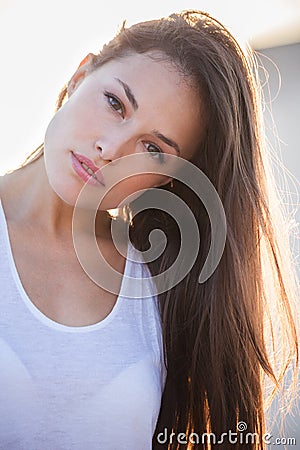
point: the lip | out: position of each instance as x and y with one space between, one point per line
77 159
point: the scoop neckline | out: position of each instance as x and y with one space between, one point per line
36 311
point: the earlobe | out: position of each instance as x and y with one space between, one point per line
80 74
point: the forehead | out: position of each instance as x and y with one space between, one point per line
165 97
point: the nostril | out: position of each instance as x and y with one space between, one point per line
103 155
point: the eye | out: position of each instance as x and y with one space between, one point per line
157 153
115 103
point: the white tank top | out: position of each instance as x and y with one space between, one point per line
76 388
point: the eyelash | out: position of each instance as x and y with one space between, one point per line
160 153
110 96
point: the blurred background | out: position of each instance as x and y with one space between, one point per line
42 43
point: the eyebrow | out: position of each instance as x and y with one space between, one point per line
167 140
134 103
129 94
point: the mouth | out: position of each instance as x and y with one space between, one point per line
89 167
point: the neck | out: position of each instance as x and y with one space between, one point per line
29 198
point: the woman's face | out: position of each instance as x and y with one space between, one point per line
128 106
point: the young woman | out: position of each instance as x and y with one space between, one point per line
87 367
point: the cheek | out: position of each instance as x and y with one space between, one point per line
70 124
136 183
57 137
119 194
51 133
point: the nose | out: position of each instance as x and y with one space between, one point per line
110 151
99 150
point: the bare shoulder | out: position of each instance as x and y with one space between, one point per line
3 179
11 192
5 182
5 188
1 183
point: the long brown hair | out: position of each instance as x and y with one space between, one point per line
222 337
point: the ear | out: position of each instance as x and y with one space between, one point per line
80 73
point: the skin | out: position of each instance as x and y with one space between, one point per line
39 199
